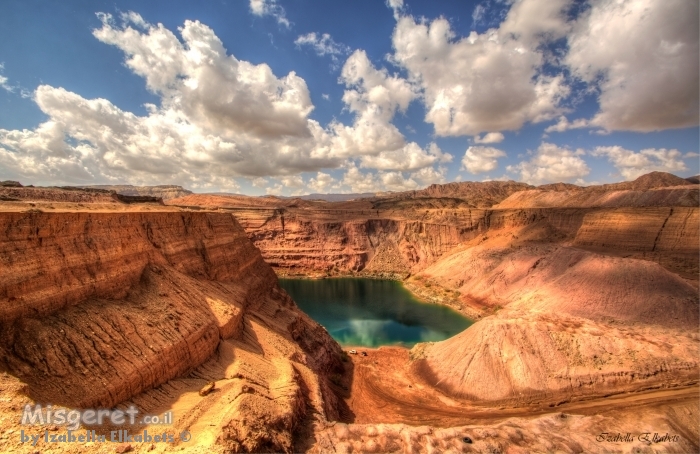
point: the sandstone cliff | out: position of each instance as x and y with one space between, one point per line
164 192
594 290
98 308
569 322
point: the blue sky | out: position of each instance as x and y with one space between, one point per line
299 96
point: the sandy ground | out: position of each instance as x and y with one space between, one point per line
382 390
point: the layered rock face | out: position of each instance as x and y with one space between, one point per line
164 192
568 323
97 308
581 291
403 233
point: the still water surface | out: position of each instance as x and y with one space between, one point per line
371 312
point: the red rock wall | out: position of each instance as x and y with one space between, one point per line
98 307
307 242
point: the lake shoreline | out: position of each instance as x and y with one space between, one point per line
433 294
374 312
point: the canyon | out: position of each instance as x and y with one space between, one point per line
585 301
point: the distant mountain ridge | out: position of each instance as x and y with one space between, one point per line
164 192
487 193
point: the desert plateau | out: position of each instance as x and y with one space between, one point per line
585 302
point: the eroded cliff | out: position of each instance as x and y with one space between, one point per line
100 308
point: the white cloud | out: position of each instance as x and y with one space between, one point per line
4 84
373 96
485 82
269 8
359 182
277 189
552 164
632 165
323 44
396 5
208 85
293 181
648 79
395 181
260 182
323 183
199 135
428 175
289 185
491 137
3 80
326 96
409 157
478 14
480 159
564 125
372 89
533 21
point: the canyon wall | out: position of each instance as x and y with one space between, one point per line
562 322
390 243
99 308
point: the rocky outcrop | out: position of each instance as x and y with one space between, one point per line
568 322
164 192
680 196
100 308
76 195
518 358
480 194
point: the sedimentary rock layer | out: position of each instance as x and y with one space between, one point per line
96 308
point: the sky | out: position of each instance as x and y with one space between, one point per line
290 97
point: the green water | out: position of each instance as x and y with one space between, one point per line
371 312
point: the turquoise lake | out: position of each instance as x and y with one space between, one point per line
371 312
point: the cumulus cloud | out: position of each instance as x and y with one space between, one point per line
357 181
373 90
292 181
208 85
632 165
396 5
322 45
219 118
491 137
429 175
564 125
480 159
374 96
552 164
3 80
648 80
260 182
409 157
533 22
485 82
322 183
269 8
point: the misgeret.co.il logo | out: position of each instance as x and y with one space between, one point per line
72 419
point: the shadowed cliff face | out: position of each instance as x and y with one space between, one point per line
98 308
